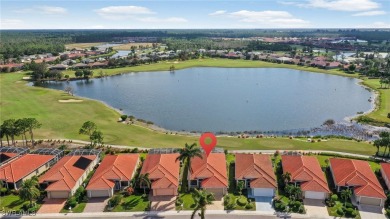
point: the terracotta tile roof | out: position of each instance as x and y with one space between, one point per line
356 173
163 170
211 169
386 169
65 173
20 167
307 170
258 168
113 167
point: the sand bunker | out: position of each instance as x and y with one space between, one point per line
70 101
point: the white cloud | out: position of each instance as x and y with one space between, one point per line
11 24
43 10
270 18
122 12
163 20
370 13
217 13
337 5
52 10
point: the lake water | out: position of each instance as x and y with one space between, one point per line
228 99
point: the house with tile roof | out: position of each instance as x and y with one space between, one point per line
114 173
67 175
163 170
385 172
359 177
306 172
13 173
257 172
209 173
7 154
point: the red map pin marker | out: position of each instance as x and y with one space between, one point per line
208 147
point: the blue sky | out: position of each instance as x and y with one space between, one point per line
162 14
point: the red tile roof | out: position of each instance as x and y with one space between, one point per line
113 167
258 168
163 170
7 156
211 169
307 170
64 174
20 167
386 169
357 173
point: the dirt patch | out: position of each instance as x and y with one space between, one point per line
70 101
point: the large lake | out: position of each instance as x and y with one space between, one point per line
229 99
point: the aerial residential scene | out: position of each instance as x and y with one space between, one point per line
195 109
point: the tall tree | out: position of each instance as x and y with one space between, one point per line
87 129
22 126
29 190
202 198
32 124
144 181
10 129
97 137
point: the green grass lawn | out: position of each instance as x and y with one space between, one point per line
63 120
188 202
11 202
78 209
233 199
135 202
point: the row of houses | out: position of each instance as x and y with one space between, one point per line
62 175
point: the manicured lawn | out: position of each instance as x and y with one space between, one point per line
11 202
233 199
78 209
188 202
384 101
63 120
135 202
82 45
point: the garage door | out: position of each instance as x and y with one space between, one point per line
263 192
314 195
98 193
59 194
164 192
370 201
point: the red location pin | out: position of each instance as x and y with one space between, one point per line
208 147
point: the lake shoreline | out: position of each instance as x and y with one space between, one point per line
224 133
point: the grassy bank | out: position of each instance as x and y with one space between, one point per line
63 120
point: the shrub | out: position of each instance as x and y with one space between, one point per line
114 201
71 202
80 194
226 200
242 201
340 211
129 191
334 197
279 206
249 206
388 212
14 192
4 191
349 205
348 211
123 117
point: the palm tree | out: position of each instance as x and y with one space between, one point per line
144 181
29 190
286 177
201 198
345 195
377 144
189 152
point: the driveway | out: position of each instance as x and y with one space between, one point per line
54 205
96 205
315 208
371 212
264 204
162 203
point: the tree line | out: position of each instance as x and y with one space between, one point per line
11 128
